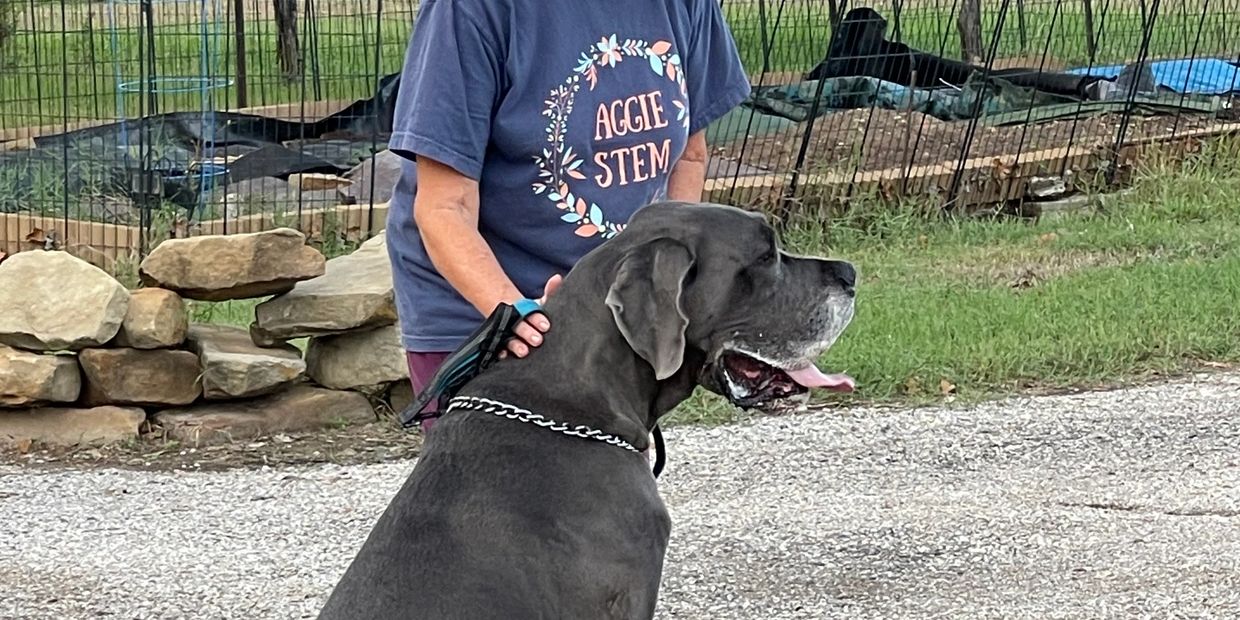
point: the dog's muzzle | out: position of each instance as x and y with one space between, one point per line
753 379
750 382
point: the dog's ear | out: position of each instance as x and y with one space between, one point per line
646 301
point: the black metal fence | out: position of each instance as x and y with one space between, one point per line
127 121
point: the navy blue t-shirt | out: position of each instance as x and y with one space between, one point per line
569 113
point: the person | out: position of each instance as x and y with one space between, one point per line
530 131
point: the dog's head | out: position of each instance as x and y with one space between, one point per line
861 31
704 293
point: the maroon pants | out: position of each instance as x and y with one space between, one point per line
422 367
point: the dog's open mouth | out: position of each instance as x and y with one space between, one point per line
750 382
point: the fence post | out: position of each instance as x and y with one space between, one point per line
1147 33
1021 28
807 135
38 62
148 14
1201 27
803 149
312 32
243 95
912 156
1046 48
766 55
977 104
375 129
64 107
766 44
1091 41
897 13
94 62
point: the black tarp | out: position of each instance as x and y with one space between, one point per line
119 159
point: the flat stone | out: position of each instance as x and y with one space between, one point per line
267 196
71 427
375 179
354 293
141 378
157 319
54 301
234 367
32 379
238 195
719 168
1046 188
224 267
301 408
317 181
400 396
1073 205
357 360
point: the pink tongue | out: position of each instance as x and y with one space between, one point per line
811 377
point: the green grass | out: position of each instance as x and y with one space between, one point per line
993 307
35 91
239 312
33 88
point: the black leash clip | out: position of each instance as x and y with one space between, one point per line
476 354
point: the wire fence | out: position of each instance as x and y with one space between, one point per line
125 122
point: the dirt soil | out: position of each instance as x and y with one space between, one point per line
876 139
370 443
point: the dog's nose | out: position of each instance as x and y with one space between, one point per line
843 274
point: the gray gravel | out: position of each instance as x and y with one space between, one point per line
1101 505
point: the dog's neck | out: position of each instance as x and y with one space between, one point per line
585 373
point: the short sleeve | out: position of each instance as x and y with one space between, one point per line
449 88
714 75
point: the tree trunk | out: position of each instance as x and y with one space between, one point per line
8 28
288 50
970 25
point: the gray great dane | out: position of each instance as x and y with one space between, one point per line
533 497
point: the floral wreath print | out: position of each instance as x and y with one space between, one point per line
558 165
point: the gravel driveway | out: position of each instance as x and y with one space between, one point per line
1100 505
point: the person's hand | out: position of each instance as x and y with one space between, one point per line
529 332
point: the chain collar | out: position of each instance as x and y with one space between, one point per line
505 410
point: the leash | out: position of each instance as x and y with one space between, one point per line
470 359
476 355
660 451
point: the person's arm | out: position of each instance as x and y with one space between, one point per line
688 178
450 84
715 82
446 211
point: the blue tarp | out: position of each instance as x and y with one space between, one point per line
1206 76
